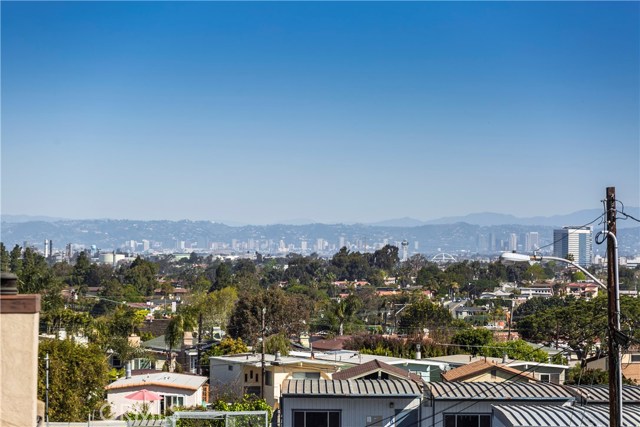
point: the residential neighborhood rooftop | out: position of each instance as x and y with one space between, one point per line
373 388
502 390
562 416
161 379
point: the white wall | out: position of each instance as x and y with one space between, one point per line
354 411
120 404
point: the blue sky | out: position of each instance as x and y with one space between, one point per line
264 112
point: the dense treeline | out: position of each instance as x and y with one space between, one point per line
304 294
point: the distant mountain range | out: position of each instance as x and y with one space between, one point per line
476 233
484 219
487 219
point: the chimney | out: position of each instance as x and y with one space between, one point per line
128 370
418 353
187 341
9 284
277 359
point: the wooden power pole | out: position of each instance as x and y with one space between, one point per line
615 374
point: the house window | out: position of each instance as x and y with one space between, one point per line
169 401
635 358
268 378
140 363
545 378
316 419
306 375
494 374
230 367
467 420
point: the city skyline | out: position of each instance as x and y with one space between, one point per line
335 112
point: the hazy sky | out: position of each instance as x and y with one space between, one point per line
261 112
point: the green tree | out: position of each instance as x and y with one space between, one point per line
174 333
223 277
142 275
15 260
77 377
516 349
535 273
284 313
4 258
81 272
229 345
423 314
278 342
472 340
344 311
386 258
578 276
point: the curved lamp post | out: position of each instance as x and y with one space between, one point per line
614 315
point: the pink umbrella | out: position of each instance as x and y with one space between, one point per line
144 395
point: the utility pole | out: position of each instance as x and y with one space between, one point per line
199 345
615 373
46 390
264 311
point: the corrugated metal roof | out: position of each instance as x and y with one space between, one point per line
600 393
345 388
562 416
498 390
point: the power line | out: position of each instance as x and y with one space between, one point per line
573 230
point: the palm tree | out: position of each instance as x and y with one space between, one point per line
345 310
174 334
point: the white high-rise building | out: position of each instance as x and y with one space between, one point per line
513 242
532 241
574 241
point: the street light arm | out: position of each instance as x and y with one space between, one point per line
578 266
512 258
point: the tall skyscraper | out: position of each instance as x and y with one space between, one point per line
532 241
513 242
574 241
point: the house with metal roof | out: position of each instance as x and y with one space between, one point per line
427 369
346 403
560 416
242 373
470 403
630 364
174 390
544 372
483 370
599 394
376 369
